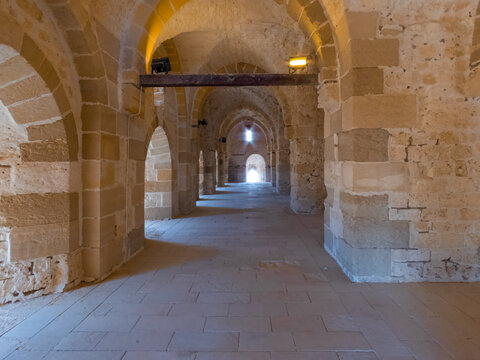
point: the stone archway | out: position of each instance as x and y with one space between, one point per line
39 185
256 169
158 177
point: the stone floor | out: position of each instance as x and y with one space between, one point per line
243 278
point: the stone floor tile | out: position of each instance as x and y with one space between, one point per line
305 355
80 341
115 323
255 341
242 256
241 355
335 341
139 309
159 355
198 341
223 298
297 324
237 324
199 310
84 355
356 355
135 340
27 355
170 323
317 308
427 350
170 297
280 297
257 310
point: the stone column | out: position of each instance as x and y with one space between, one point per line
273 168
221 165
283 168
209 172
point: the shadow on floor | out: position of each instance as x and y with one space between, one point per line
227 192
161 255
202 211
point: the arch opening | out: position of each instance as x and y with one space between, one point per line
158 177
39 201
256 169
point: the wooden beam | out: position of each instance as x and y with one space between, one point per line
228 80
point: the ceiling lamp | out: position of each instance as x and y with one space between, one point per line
161 65
298 63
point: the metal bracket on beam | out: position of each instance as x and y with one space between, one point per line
228 80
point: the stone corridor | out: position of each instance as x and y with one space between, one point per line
243 278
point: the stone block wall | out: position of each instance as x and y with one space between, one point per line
399 162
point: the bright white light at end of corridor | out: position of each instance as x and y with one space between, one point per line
249 135
253 177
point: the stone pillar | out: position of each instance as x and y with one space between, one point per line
307 189
222 166
273 168
209 172
283 168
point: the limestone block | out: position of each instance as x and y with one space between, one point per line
377 52
43 178
24 89
45 109
136 150
91 204
381 111
111 256
410 255
32 242
405 214
362 81
131 98
362 25
370 207
94 90
9 32
110 147
362 265
45 151
99 117
375 177
48 74
372 233
112 200
37 209
15 68
363 145
5 179
50 131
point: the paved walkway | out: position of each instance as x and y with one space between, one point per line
243 278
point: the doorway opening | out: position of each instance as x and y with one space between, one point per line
158 178
256 169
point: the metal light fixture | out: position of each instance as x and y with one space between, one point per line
161 65
299 63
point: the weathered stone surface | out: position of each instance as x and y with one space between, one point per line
33 242
367 207
38 209
369 233
51 131
375 177
45 151
363 145
382 111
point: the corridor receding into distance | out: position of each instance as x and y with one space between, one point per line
244 278
240 179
